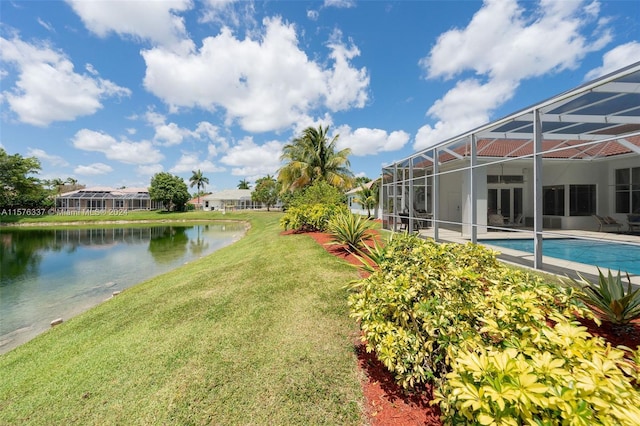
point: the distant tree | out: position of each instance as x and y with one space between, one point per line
368 197
312 157
72 181
170 190
198 180
243 184
18 185
266 191
57 184
361 180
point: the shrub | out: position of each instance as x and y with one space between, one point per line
309 218
608 299
485 335
349 229
559 375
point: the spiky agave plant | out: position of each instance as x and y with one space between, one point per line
350 230
608 299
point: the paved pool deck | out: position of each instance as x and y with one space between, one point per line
551 265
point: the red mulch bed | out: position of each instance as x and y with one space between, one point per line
387 404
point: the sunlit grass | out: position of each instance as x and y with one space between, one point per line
256 333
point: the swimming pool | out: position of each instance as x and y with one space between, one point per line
605 255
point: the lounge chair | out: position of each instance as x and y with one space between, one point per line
496 219
633 221
605 222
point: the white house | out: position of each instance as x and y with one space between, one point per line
229 199
551 166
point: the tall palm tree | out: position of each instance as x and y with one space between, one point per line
243 184
197 179
313 157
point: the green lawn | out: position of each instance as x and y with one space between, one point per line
256 333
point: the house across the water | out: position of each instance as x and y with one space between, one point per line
106 198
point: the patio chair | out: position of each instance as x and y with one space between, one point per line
607 222
633 221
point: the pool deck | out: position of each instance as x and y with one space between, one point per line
551 265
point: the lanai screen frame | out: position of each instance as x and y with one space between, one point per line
587 123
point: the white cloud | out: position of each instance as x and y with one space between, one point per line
501 47
47 88
93 169
364 141
123 151
228 12
616 58
154 21
190 161
149 169
42 155
343 4
266 84
249 159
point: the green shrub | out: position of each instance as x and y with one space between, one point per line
608 299
485 335
349 229
559 375
312 217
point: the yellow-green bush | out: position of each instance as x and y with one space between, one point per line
311 217
561 375
432 310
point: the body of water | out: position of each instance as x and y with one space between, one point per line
605 255
47 274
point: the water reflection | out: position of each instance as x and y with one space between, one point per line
50 273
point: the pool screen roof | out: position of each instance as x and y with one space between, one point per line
606 109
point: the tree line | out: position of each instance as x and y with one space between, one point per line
308 159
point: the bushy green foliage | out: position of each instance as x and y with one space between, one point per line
18 185
312 208
171 190
436 312
310 218
350 229
319 192
560 375
608 298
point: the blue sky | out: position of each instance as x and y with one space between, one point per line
111 92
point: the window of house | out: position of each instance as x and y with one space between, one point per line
553 200
628 190
582 200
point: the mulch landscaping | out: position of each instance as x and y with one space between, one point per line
388 404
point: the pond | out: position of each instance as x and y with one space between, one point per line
46 274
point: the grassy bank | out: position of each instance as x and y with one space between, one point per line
256 333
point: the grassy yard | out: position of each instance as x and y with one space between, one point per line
256 333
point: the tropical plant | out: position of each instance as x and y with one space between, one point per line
608 298
170 190
368 197
312 157
199 180
266 191
243 184
351 230
18 185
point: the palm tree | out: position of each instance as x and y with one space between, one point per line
313 157
198 180
368 197
57 183
244 184
71 181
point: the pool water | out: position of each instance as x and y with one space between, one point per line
605 255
